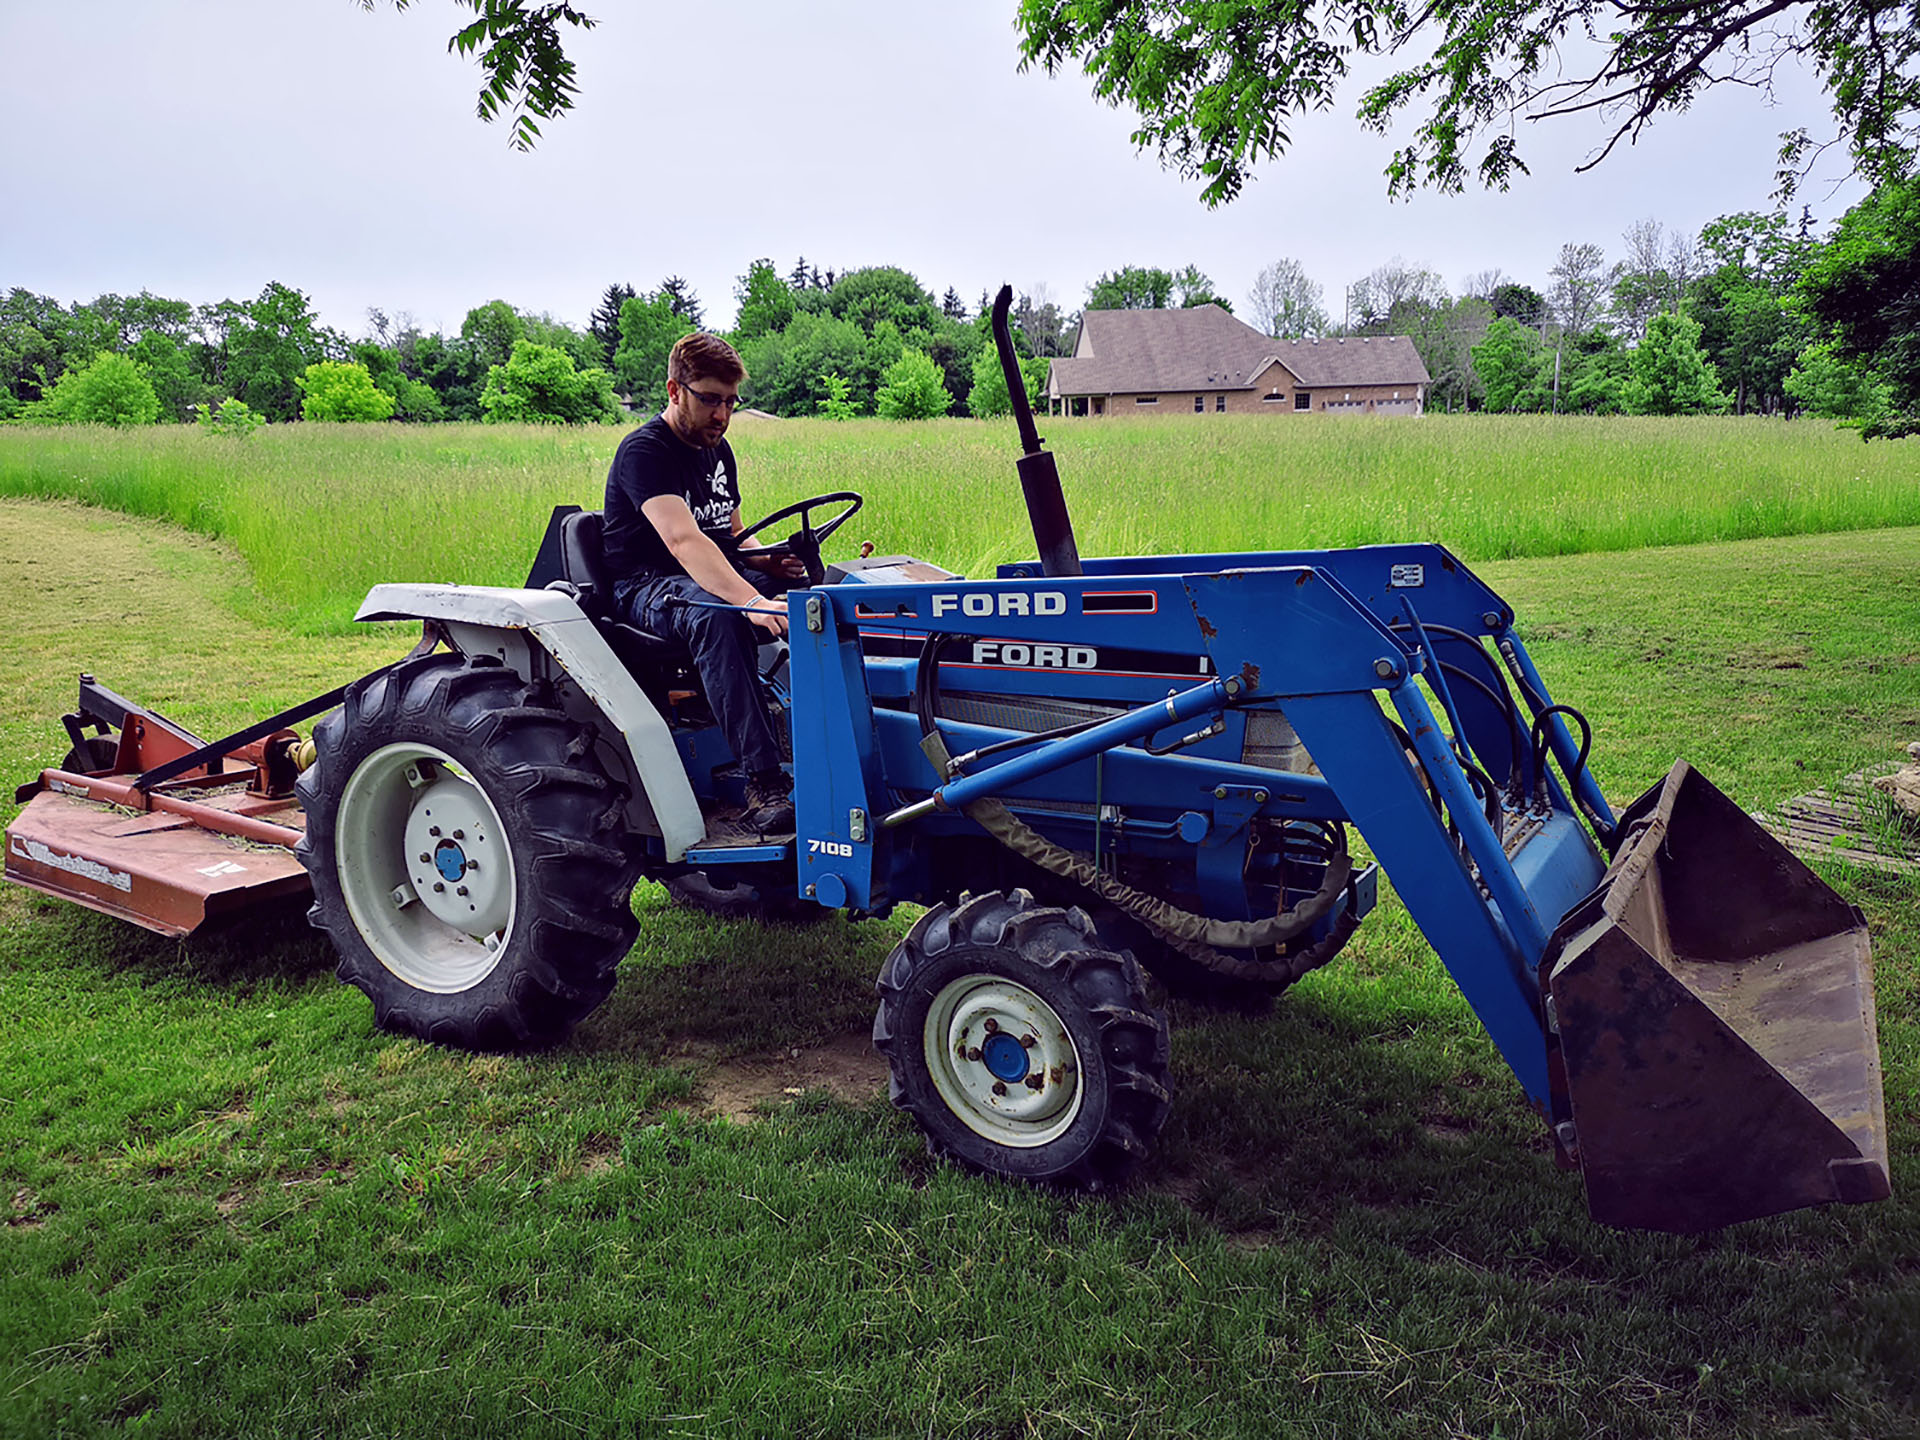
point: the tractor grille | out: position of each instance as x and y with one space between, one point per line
1027 713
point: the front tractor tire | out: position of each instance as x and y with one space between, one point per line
1023 1046
465 854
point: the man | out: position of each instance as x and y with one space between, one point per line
673 498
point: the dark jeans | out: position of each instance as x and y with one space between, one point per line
724 647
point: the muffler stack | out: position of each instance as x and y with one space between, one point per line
1710 1010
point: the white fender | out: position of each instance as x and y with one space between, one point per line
563 630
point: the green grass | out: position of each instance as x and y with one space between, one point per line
233 1208
321 512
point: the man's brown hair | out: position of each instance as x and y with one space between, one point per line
701 356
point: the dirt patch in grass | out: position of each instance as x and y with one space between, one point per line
847 1067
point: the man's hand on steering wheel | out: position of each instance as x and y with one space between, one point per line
768 561
804 544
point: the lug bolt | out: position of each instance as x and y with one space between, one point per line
1029 1041
459 834
438 886
1034 1082
461 891
990 1025
433 830
999 1087
974 1054
425 858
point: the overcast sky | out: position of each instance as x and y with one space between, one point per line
202 148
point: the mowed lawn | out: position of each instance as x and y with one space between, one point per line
234 1208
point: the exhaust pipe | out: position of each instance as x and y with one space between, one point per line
1039 478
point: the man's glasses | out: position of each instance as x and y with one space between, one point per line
713 402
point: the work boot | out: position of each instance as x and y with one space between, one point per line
769 803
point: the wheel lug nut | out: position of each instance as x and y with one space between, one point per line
999 1087
459 834
974 1054
425 858
438 886
1034 1082
461 891
433 830
1029 1041
990 1025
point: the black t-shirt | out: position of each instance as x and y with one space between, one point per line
654 461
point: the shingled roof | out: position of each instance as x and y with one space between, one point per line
1144 351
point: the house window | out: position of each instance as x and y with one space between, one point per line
1271 395
1199 404
1146 399
1219 403
1302 399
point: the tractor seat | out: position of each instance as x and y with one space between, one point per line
583 564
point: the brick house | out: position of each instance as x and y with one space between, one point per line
1145 362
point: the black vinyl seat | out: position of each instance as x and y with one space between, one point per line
573 557
583 567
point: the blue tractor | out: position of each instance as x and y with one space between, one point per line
1087 772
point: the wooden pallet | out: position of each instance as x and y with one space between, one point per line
1846 822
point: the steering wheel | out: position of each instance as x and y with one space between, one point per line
804 542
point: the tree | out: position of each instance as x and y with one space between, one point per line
343 392
1372 299
1594 370
680 296
270 342
1653 277
883 293
539 385
604 323
911 389
952 306
492 330
1445 335
1131 288
765 301
835 405
1039 322
1520 302
175 384
1286 304
648 329
1191 289
523 59
1216 87
1582 280
1863 292
1514 366
787 368
110 390
989 396
1823 384
1671 374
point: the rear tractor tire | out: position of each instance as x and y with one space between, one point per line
466 860
1021 1044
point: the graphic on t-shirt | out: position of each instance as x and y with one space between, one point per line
717 512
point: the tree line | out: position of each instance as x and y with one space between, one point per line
1756 314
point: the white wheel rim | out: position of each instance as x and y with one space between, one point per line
411 820
1002 1061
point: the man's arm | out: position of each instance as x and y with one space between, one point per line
703 562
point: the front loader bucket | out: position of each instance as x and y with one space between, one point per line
1716 1053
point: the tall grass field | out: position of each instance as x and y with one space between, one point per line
229 1206
322 512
